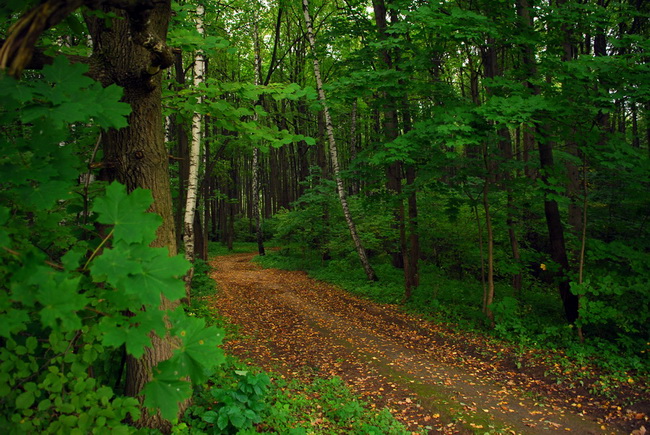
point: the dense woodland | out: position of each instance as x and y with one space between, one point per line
500 150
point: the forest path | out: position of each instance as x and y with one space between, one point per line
428 376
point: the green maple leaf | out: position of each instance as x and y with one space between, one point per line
44 195
61 71
60 302
136 340
165 395
114 265
114 332
128 214
160 273
137 337
110 112
12 320
199 353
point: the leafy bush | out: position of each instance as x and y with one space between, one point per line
77 266
239 407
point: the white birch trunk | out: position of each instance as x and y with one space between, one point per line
370 273
194 158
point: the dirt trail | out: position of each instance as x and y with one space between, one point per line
428 376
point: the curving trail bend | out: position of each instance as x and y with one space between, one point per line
430 377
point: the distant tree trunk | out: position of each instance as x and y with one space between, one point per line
488 295
390 131
551 209
182 152
354 188
256 151
370 273
411 270
130 51
412 253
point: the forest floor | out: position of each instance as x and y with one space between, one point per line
431 378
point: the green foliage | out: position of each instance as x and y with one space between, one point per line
242 406
316 221
325 406
78 288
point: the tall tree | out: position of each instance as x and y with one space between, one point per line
194 159
363 257
129 50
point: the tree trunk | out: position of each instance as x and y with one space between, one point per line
256 151
194 158
370 273
354 188
488 296
130 52
551 209
182 151
390 131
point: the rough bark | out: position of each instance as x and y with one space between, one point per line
370 273
136 155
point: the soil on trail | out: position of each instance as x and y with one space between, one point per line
429 377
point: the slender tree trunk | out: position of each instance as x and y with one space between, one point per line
256 151
182 151
390 131
551 209
194 159
488 297
412 253
370 273
353 145
479 228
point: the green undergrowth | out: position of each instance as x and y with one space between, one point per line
242 398
529 322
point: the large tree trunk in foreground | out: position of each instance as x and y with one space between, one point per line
131 53
370 273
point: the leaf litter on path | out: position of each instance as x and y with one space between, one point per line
430 378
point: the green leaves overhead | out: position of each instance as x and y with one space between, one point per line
237 117
55 97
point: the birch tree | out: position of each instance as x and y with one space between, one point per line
363 257
194 157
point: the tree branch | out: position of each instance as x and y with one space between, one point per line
18 51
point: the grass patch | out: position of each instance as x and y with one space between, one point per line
325 406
